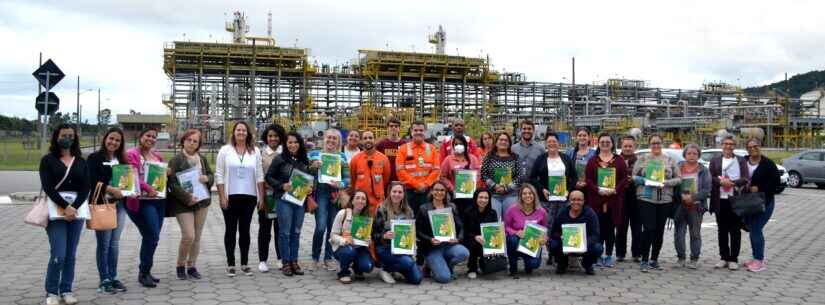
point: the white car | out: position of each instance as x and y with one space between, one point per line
711 153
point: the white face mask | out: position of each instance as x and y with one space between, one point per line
459 149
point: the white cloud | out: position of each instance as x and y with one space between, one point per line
117 45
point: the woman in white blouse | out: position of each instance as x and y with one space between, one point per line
240 180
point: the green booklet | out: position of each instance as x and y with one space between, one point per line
403 240
557 185
123 178
465 183
361 229
574 238
503 176
301 183
442 224
655 171
580 170
155 176
494 240
330 168
689 184
530 244
606 177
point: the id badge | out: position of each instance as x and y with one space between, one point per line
420 161
240 173
377 178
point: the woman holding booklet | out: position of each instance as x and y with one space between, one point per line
284 170
275 137
350 238
692 204
101 166
475 215
519 223
190 179
502 174
332 170
147 211
655 175
63 171
606 176
392 217
438 226
455 171
240 181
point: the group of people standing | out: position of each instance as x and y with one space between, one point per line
393 180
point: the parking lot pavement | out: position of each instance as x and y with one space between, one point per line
796 267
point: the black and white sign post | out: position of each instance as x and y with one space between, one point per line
48 75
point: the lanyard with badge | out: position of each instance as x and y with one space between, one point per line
240 170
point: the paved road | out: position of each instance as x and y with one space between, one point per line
18 181
795 275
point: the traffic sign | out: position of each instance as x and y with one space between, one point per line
48 68
54 103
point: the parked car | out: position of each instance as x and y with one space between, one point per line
806 167
711 153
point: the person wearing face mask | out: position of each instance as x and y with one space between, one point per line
418 166
146 211
370 172
576 213
461 159
470 146
63 171
395 207
474 215
527 151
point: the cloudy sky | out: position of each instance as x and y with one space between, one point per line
117 45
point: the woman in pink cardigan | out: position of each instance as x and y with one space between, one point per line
458 160
148 210
527 210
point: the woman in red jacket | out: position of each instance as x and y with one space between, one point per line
606 176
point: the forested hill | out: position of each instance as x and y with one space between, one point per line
797 84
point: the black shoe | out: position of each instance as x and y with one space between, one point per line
181 272
637 259
296 269
193 273
620 259
146 281
287 270
154 279
359 277
589 270
514 275
528 271
117 285
561 270
550 261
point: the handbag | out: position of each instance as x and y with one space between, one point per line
747 204
104 214
57 212
38 216
493 263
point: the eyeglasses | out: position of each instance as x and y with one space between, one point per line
655 143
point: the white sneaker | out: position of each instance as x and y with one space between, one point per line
472 275
386 277
52 299
720 264
263 267
732 266
69 298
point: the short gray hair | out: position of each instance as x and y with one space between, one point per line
691 146
729 137
754 140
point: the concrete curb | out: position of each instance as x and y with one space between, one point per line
24 196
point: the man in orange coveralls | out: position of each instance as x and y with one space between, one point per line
370 170
417 166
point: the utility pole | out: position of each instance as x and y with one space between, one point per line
98 117
573 102
39 141
787 112
78 109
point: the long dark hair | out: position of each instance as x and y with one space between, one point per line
118 154
301 154
250 148
54 148
466 147
279 131
489 195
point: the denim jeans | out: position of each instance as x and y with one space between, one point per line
356 257
513 255
553 208
404 264
687 220
290 221
63 239
756 224
108 246
324 215
149 221
594 250
501 203
443 258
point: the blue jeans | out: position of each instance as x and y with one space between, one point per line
149 221
357 257
553 208
755 225
404 264
513 255
108 246
290 221
594 251
501 203
443 257
324 215
63 239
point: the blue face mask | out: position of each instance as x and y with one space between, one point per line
65 143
